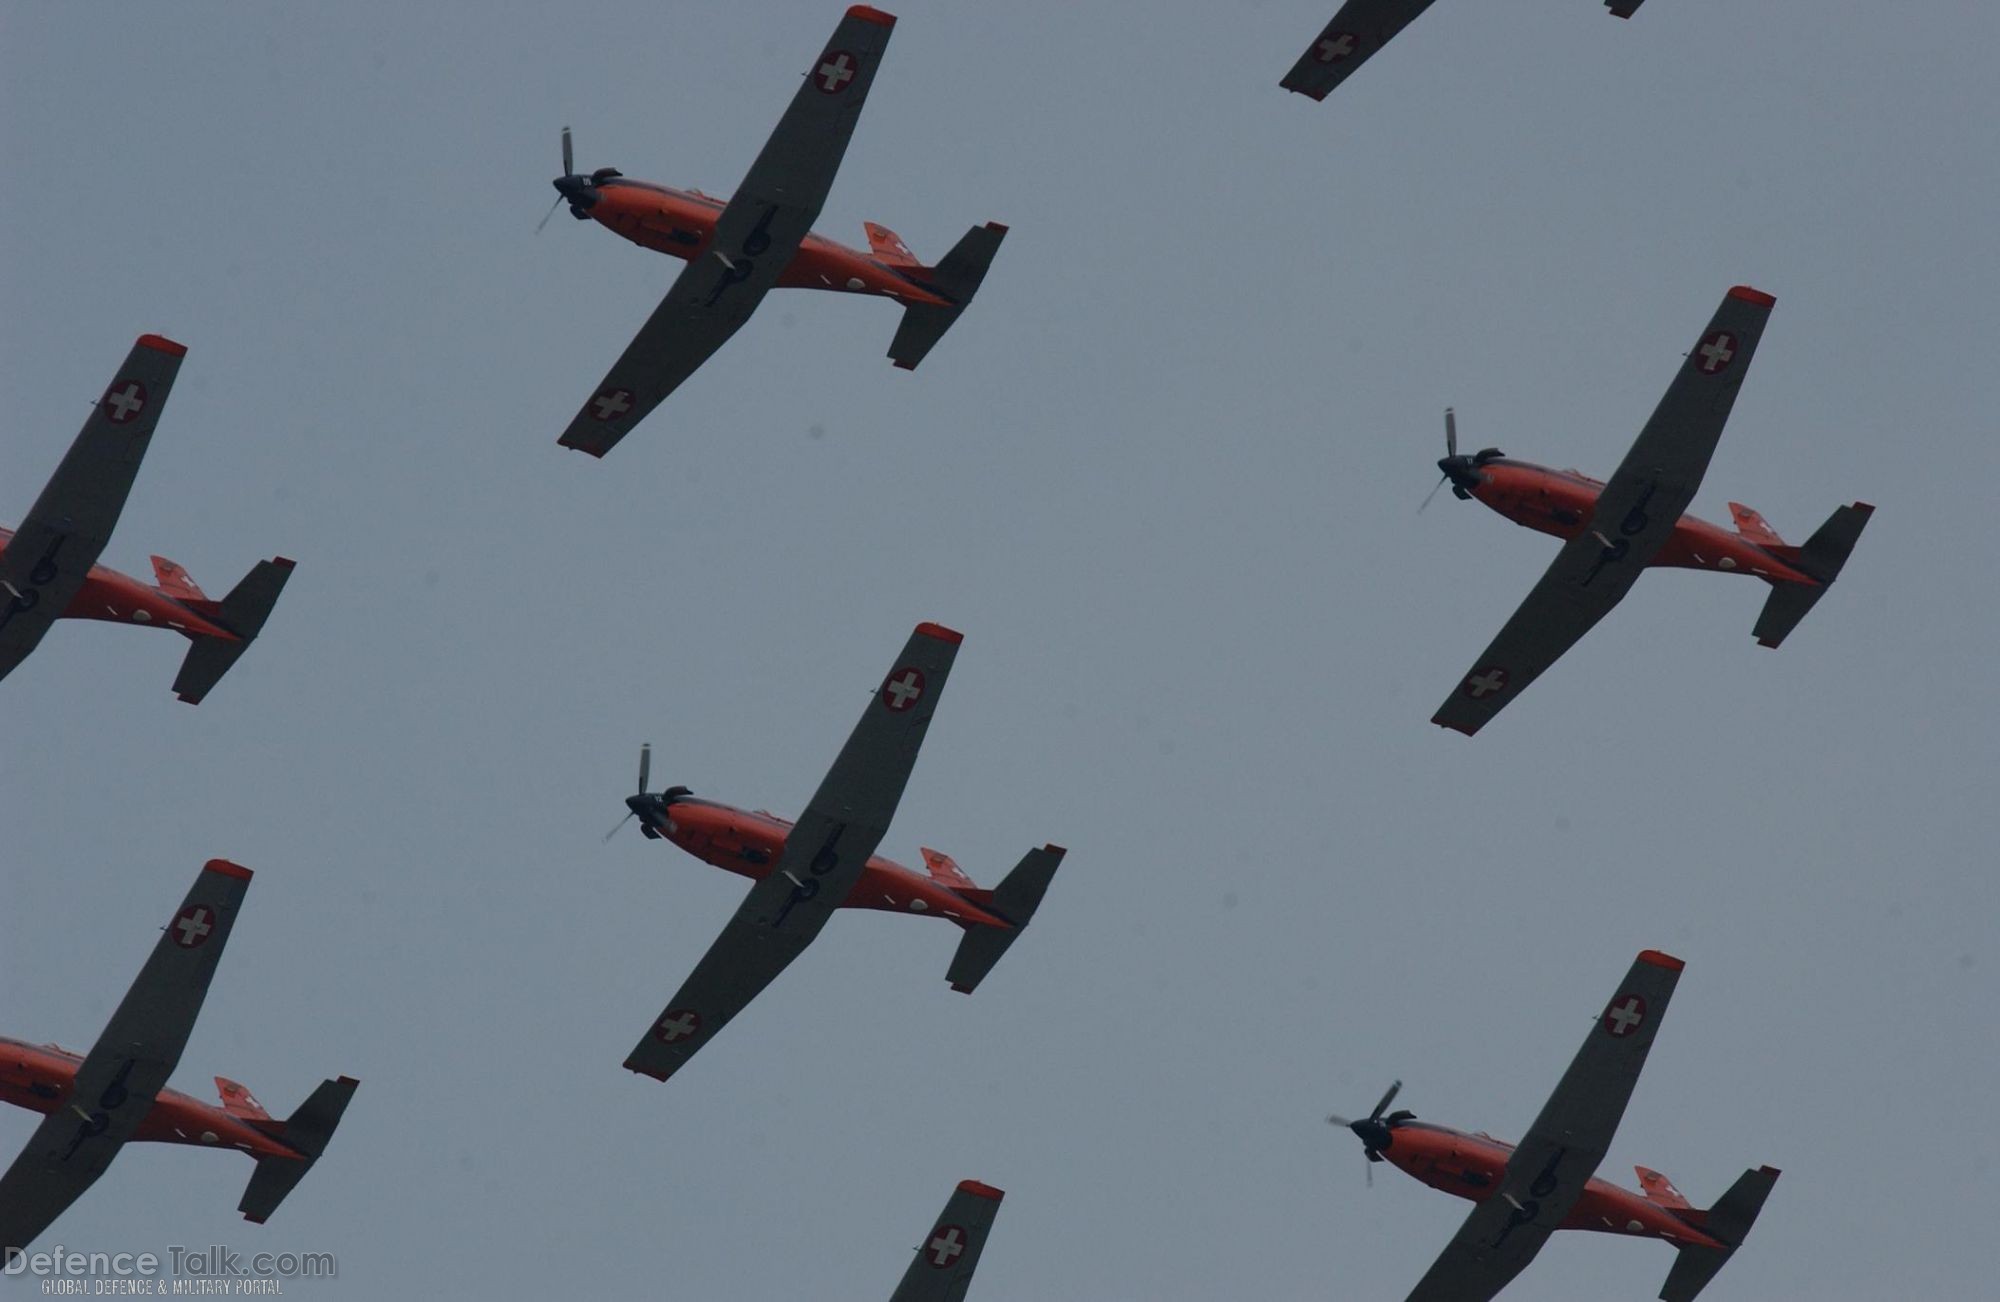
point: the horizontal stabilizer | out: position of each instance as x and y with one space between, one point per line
1729 1222
956 277
1016 898
243 613
1822 557
306 1131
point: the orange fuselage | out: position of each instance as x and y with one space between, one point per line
40 1077
122 599
1471 1167
682 222
749 844
1561 502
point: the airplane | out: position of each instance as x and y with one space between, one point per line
805 870
1523 1193
942 1270
1360 29
116 1094
761 239
1646 496
48 566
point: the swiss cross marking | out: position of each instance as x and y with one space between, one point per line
1334 48
1716 352
1625 1015
125 401
192 925
1486 682
903 690
834 74
678 1024
612 402
945 1246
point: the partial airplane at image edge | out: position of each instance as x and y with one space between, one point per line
1646 496
116 1094
942 1271
48 565
762 239
805 870
1523 1193
1361 28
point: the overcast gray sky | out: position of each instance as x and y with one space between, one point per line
1164 475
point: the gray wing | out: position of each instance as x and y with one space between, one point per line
1634 517
49 556
756 235
128 1066
942 1271
1561 1151
822 860
1356 32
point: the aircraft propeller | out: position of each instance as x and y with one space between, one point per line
1463 472
580 191
1373 1129
644 801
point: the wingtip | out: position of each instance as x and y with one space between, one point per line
940 632
979 1190
1659 958
284 562
253 1218
595 452
227 869
645 1071
162 344
349 1081
1443 722
1749 295
870 14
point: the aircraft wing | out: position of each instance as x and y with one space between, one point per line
66 530
1635 515
756 235
1561 1151
942 1271
1356 32
128 1066
822 860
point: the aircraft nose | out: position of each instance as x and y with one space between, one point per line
1373 1135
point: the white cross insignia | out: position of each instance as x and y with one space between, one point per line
678 1024
193 925
1625 1015
1334 48
903 690
945 1246
1485 684
1716 351
612 402
836 72
125 403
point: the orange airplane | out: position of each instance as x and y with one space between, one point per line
760 239
97 1103
1613 530
1526 1192
48 567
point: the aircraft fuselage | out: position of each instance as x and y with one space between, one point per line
40 1078
121 599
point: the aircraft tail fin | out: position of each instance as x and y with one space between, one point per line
239 1102
945 871
1660 1191
175 581
242 612
956 277
1016 898
887 246
306 1130
1822 557
1728 1222
1753 526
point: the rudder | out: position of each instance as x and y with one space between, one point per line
957 276
306 1130
243 613
1016 898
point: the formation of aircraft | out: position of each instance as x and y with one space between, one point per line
1361 28
1525 1192
48 566
1614 529
825 861
117 1093
762 239
945 1260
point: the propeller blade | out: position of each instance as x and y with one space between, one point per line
1335 1119
550 213
1369 1167
615 827
569 161
1388 1097
645 765
1450 432
1433 493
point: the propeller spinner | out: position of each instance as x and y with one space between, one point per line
1462 472
1375 1130
580 191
